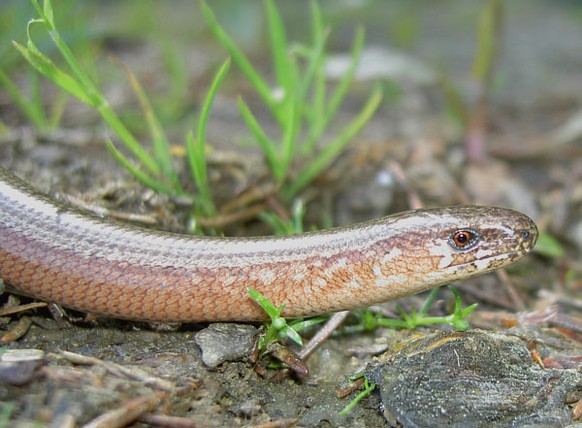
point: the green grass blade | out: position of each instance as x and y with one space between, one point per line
135 171
368 388
326 114
316 114
160 141
280 227
196 148
300 325
267 145
289 333
297 213
204 203
128 140
432 296
346 80
330 152
287 75
178 78
48 11
279 48
239 57
208 102
32 110
57 109
47 19
48 69
80 85
488 29
264 303
292 126
315 55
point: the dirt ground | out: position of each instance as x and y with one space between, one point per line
73 370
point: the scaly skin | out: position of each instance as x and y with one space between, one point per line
63 255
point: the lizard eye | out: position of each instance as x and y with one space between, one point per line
463 239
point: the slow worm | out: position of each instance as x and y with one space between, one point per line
56 253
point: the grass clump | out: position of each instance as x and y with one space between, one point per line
300 101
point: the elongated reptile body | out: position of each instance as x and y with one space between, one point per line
66 256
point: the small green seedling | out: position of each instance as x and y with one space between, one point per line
372 320
278 329
368 388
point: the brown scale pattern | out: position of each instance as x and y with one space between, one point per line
342 279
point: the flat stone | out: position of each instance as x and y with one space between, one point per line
222 342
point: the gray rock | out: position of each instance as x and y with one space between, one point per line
222 342
471 379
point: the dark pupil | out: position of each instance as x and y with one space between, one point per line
461 238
